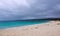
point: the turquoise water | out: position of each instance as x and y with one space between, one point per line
8 24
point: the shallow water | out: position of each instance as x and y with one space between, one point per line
8 24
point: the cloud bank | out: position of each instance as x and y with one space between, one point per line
29 9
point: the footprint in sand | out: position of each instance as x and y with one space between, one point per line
58 23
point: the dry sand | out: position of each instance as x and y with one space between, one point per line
51 28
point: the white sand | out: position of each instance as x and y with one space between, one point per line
51 28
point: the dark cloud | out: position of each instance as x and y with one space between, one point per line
29 9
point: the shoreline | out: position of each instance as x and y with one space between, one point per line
51 28
30 24
27 25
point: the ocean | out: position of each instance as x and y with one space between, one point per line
9 24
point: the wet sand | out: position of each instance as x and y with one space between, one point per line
51 28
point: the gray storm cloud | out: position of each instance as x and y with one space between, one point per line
29 9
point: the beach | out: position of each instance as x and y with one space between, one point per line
51 28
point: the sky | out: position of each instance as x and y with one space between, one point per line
29 9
